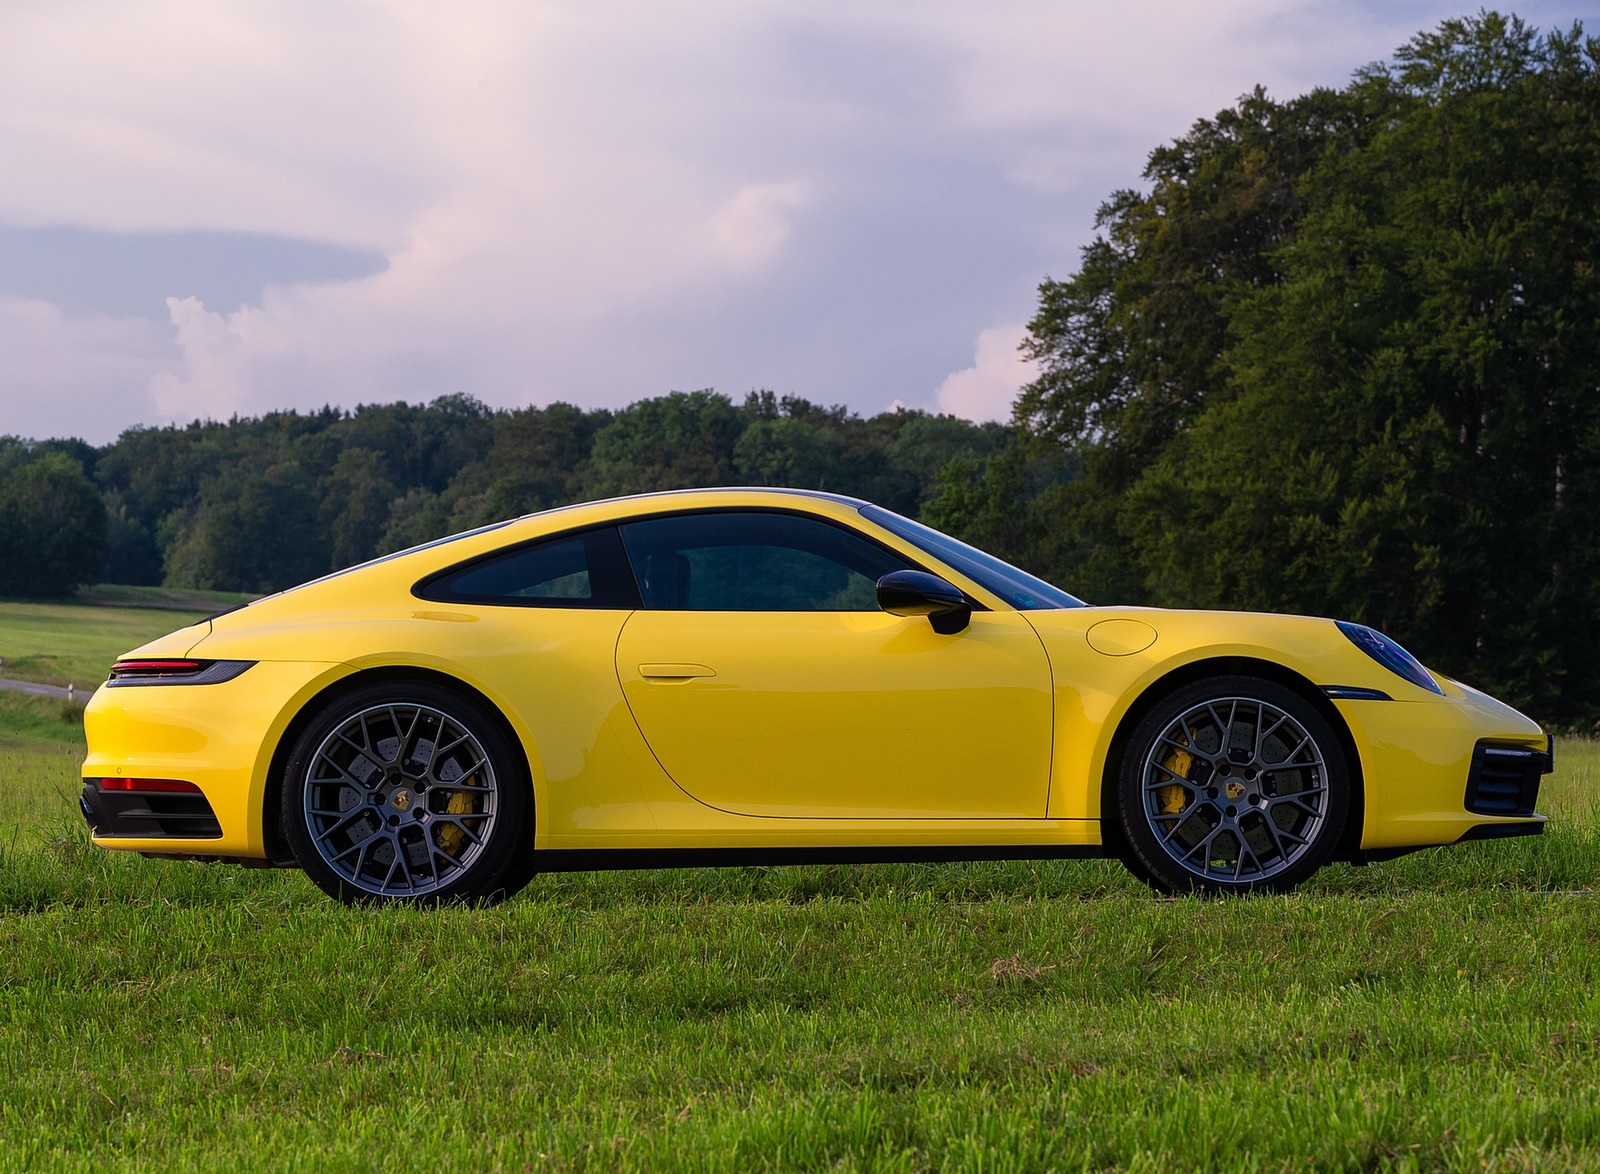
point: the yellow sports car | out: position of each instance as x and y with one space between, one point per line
773 676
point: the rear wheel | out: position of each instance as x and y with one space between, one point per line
408 792
1235 784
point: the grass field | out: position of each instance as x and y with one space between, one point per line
67 643
1439 1012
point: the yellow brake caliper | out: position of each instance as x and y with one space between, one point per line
450 834
1173 798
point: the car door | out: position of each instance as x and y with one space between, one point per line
767 682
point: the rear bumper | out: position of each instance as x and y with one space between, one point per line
218 737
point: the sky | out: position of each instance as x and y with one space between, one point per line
213 208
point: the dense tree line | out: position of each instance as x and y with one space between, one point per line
1341 357
259 504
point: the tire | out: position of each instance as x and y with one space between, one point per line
409 792
1232 785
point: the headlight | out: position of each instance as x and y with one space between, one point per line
1390 655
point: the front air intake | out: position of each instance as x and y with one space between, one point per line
1504 780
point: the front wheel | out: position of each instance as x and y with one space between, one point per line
1235 784
408 792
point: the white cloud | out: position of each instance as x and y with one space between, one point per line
987 389
749 229
215 382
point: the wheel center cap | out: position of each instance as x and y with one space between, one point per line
400 800
1235 789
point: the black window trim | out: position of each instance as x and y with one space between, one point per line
615 526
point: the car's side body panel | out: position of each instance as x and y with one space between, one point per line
548 672
839 715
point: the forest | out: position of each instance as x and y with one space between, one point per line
1339 355
261 504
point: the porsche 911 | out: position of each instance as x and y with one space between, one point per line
765 676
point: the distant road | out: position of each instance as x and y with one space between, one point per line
39 690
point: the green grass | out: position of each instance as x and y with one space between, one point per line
165 598
1437 1012
68 643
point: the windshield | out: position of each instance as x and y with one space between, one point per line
1021 590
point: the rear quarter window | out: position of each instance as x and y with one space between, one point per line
574 570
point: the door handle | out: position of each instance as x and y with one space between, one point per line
675 671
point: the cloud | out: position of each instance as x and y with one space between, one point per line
76 377
91 273
749 229
597 202
987 389
216 352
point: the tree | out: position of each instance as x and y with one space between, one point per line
355 506
133 556
1344 358
676 440
257 533
532 463
261 503
1418 397
1008 504
52 523
786 452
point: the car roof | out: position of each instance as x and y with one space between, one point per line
598 505
821 494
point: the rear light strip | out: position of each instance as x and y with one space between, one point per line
156 671
142 786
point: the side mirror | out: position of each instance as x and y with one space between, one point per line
917 593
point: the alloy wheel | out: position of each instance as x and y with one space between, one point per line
399 800
1235 790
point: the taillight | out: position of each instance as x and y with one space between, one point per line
167 786
174 671
156 668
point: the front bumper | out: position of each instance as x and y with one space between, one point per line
1441 771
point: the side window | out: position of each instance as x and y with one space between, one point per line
578 570
754 561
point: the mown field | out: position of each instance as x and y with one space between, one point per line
75 643
1438 1012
